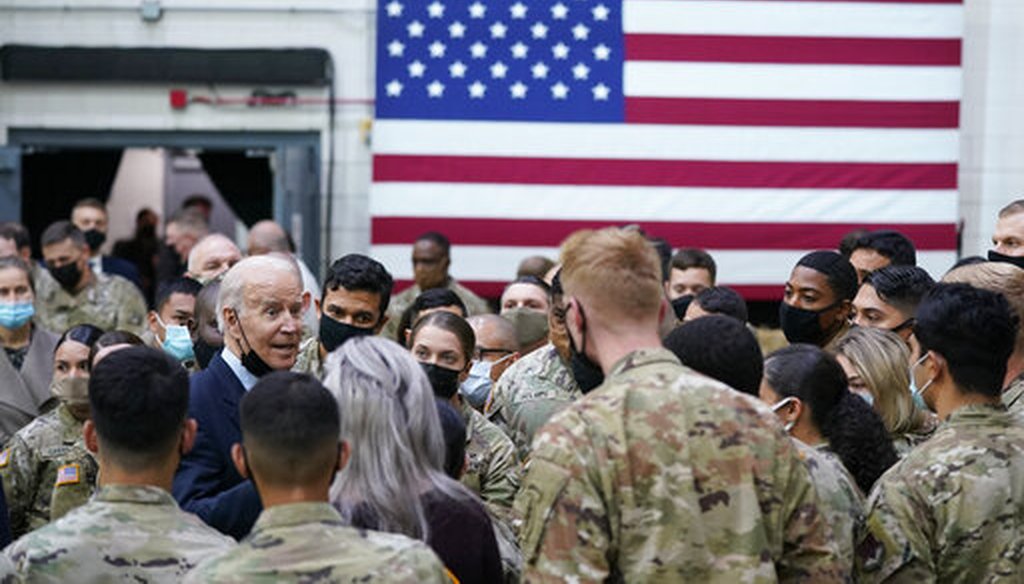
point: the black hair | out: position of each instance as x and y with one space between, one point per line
19 264
111 338
90 203
891 244
967 261
139 400
854 430
973 329
901 287
454 429
533 281
183 285
849 242
85 334
451 323
695 258
665 256
291 420
17 233
60 231
723 300
556 291
720 347
433 298
838 271
440 240
359 272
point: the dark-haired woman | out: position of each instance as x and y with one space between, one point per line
842 440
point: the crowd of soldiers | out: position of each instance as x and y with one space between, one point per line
204 415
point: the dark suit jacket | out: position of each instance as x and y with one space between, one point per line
207 483
123 268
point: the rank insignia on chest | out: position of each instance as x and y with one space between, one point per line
5 458
69 474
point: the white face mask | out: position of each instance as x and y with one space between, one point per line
477 387
781 404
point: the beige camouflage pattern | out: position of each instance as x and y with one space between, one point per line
308 542
308 359
124 534
528 393
29 466
664 475
841 500
474 305
1013 397
904 442
951 510
508 549
492 472
109 302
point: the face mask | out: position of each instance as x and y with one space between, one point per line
15 314
477 387
679 305
250 360
586 373
531 325
67 275
444 381
783 403
801 325
334 333
866 396
94 239
177 341
73 391
995 256
204 352
916 392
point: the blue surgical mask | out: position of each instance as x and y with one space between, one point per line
866 396
916 392
177 341
477 387
13 315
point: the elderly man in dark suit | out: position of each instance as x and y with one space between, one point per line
260 310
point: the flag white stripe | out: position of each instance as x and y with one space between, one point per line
771 81
498 264
665 142
817 19
625 204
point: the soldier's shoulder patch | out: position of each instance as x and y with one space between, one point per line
5 458
69 474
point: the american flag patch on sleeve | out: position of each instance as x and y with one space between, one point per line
68 475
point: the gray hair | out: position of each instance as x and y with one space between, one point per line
200 247
390 420
232 288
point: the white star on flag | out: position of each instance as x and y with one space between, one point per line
435 89
437 49
580 71
559 90
539 70
518 10
396 48
477 10
476 90
559 11
519 50
457 30
498 30
518 90
394 88
416 69
498 70
478 50
580 32
394 9
601 52
560 51
457 69
600 12
415 29
601 92
539 30
435 9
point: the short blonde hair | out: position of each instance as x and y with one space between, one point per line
615 270
881 359
1004 278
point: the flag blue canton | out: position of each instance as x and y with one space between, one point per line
555 61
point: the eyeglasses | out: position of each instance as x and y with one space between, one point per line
482 352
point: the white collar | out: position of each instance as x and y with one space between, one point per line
245 377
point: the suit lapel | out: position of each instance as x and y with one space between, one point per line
231 390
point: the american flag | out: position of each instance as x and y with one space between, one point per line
756 129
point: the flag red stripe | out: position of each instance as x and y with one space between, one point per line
488 289
721 236
793 112
677 173
778 49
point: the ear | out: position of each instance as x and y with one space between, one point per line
344 453
92 442
238 457
936 366
230 318
380 324
797 409
188 436
405 337
845 309
154 326
665 309
316 305
306 296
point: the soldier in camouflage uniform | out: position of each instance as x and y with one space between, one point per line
131 530
492 472
841 500
950 510
74 294
290 429
659 474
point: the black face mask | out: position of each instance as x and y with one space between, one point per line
67 275
679 305
250 360
204 352
995 256
94 239
334 333
801 325
586 373
444 381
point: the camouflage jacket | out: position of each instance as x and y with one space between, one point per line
109 302
664 475
308 542
124 534
528 393
1013 397
950 510
841 500
308 359
474 305
493 472
44 460
905 442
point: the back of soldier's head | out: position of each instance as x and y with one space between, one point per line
139 401
1000 277
720 347
973 329
890 244
290 430
722 300
615 274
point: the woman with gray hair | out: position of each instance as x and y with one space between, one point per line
394 480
